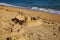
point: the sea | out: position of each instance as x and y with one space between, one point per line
50 6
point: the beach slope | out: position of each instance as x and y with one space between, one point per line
25 24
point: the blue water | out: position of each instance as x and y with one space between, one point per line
53 4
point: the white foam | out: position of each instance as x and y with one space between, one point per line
9 5
43 9
6 4
46 10
34 8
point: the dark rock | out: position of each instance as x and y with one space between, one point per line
54 34
18 30
18 21
59 29
33 18
21 22
53 28
8 38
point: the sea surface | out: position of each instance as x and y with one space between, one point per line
51 6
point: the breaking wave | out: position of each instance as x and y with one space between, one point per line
46 10
34 8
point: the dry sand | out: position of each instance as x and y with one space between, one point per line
43 15
25 24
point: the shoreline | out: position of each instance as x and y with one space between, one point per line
48 10
46 15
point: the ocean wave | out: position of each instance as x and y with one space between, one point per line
46 10
5 4
34 8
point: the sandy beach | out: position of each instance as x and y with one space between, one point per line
43 15
26 24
